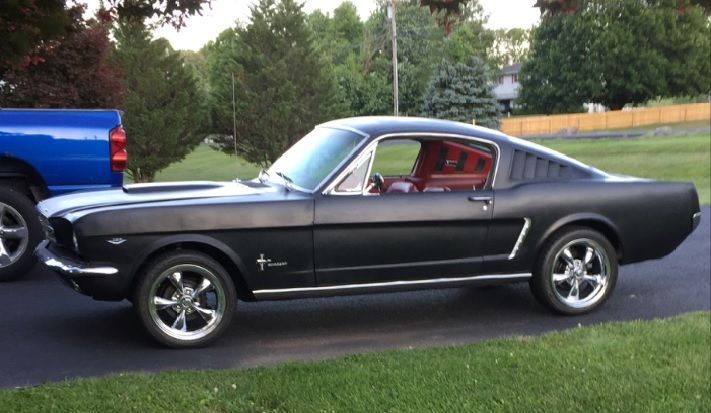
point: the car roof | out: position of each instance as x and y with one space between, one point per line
374 126
371 127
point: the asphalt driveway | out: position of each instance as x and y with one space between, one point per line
50 333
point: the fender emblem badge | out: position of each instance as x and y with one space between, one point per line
116 241
262 261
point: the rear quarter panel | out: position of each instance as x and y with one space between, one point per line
650 219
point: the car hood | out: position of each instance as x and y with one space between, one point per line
145 193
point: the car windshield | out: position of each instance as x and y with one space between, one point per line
311 159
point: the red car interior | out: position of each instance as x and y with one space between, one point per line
444 166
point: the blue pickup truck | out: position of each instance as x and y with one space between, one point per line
44 153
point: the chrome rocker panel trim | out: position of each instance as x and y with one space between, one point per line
395 285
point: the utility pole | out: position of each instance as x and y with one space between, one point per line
392 6
234 114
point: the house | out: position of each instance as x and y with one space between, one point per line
506 88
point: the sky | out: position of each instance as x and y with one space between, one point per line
224 13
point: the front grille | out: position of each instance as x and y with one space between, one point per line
58 230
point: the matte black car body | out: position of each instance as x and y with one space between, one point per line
280 243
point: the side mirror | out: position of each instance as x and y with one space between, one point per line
378 181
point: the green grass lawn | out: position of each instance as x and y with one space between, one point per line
686 158
641 366
205 163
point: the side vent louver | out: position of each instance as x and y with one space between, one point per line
530 166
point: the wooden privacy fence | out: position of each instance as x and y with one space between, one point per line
546 125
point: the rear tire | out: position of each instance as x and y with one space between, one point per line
576 273
20 232
185 299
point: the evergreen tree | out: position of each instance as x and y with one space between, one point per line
164 107
462 92
283 86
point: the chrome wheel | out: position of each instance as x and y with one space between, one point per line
580 274
14 235
187 302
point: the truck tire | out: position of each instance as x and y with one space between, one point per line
20 232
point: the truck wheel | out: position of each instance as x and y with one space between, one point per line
577 272
20 232
185 299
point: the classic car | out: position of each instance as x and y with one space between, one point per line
365 205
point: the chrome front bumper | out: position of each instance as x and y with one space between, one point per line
68 266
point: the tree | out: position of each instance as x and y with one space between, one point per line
25 24
337 37
420 46
283 86
449 12
164 108
470 39
616 52
510 46
29 29
172 12
74 73
462 92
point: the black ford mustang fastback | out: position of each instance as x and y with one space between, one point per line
365 205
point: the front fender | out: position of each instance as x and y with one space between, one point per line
171 240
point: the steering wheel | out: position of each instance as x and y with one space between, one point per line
377 181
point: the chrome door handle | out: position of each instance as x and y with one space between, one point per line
486 199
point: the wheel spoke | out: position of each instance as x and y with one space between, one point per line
205 285
18 232
589 254
5 258
180 322
163 303
574 293
206 313
593 279
567 256
559 278
176 279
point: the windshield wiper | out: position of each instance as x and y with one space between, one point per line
288 181
263 175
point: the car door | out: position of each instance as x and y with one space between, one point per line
370 238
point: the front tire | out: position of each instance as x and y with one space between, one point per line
20 232
185 299
577 272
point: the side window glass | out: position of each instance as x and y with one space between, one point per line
396 157
355 180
